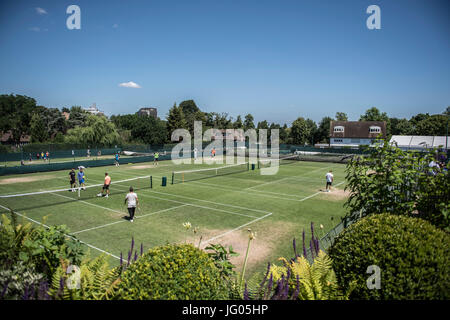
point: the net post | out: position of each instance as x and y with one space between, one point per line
151 182
79 192
172 177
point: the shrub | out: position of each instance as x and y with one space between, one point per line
173 272
92 280
412 254
37 250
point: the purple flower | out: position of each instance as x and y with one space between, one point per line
295 248
246 295
5 287
297 289
304 244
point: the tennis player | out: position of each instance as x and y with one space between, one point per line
155 158
329 177
117 159
81 178
73 183
213 152
105 186
195 153
133 202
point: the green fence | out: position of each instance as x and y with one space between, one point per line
75 164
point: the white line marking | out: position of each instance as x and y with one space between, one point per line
88 203
235 229
196 205
116 222
279 180
67 235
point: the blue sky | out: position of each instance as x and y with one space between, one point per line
277 60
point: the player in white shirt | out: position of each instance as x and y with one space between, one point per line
195 153
133 202
329 178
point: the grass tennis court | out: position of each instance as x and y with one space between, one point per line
278 207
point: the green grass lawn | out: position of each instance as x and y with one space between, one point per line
277 207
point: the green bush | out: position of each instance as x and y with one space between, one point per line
173 272
413 257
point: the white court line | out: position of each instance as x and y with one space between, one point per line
216 203
67 235
315 194
137 217
279 180
235 229
197 205
88 203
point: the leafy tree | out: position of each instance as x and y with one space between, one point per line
284 134
399 182
149 130
39 132
238 123
175 120
248 122
262 125
302 131
435 125
77 117
15 114
189 107
323 131
447 111
373 114
401 127
341 116
98 131
419 117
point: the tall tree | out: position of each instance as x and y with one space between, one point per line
323 131
341 116
302 131
175 120
38 130
248 122
15 114
373 114
238 123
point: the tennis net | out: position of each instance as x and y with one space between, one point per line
191 175
268 162
61 195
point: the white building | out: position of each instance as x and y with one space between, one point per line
355 133
93 110
420 142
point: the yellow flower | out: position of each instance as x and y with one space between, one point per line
187 225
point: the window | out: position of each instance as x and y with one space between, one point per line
337 140
375 129
339 129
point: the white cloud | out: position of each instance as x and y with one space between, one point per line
115 26
41 11
130 84
35 29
